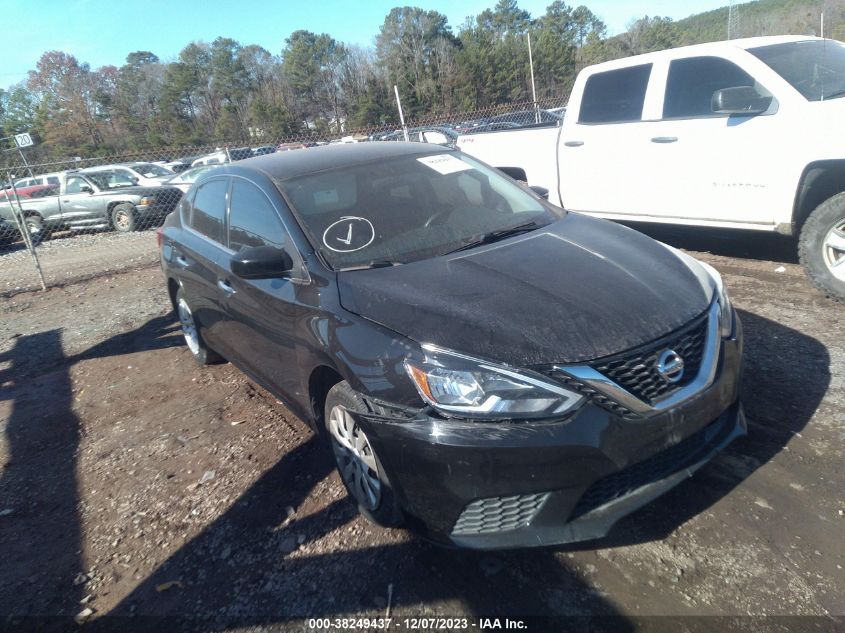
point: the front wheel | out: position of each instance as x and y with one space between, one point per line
357 463
821 247
123 218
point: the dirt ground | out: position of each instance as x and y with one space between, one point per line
135 482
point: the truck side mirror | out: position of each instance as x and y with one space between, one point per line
517 173
540 191
743 100
86 189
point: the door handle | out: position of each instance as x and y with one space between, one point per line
574 143
181 261
225 287
664 139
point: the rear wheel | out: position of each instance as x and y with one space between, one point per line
199 350
821 246
35 225
123 218
359 467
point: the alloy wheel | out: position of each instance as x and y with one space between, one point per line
355 458
834 250
189 328
121 221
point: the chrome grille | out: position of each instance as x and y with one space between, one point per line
499 514
636 370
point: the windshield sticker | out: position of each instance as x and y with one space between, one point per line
348 234
444 163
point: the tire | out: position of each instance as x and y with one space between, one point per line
35 226
360 469
203 354
123 218
821 247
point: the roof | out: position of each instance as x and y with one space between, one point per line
708 48
301 162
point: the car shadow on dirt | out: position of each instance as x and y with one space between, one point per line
40 526
725 242
786 375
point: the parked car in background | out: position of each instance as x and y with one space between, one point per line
465 347
90 201
43 179
220 157
32 191
523 118
286 147
492 127
696 136
262 150
184 180
129 174
432 134
179 165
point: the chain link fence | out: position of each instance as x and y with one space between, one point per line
67 220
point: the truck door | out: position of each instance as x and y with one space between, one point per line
715 167
601 168
78 201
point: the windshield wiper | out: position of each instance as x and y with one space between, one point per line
834 95
495 236
376 263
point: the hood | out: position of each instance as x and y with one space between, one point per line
576 290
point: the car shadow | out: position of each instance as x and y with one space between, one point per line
40 534
725 242
786 375
254 565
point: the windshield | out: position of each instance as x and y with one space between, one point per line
111 178
815 68
402 210
149 170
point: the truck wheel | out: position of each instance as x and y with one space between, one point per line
359 467
123 218
821 247
35 225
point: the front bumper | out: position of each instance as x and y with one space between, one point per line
505 485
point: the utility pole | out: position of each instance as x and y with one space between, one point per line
533 89
733 20
401 114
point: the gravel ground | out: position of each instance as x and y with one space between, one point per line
72 257
137 483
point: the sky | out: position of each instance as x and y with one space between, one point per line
103 32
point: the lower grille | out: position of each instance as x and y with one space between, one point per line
660 466
499 514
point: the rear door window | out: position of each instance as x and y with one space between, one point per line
209 209
692 82
615 96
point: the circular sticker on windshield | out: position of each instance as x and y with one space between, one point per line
349 233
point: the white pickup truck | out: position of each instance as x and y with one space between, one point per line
743 134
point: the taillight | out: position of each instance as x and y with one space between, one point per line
159 237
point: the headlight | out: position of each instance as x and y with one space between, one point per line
147 201
726 313
459 385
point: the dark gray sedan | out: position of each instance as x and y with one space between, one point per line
488 369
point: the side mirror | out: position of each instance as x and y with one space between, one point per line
86 189
261 262
517 173
540 191
743 100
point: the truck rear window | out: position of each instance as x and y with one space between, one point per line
615 96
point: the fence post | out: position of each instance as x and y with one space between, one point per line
21 222
401 115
